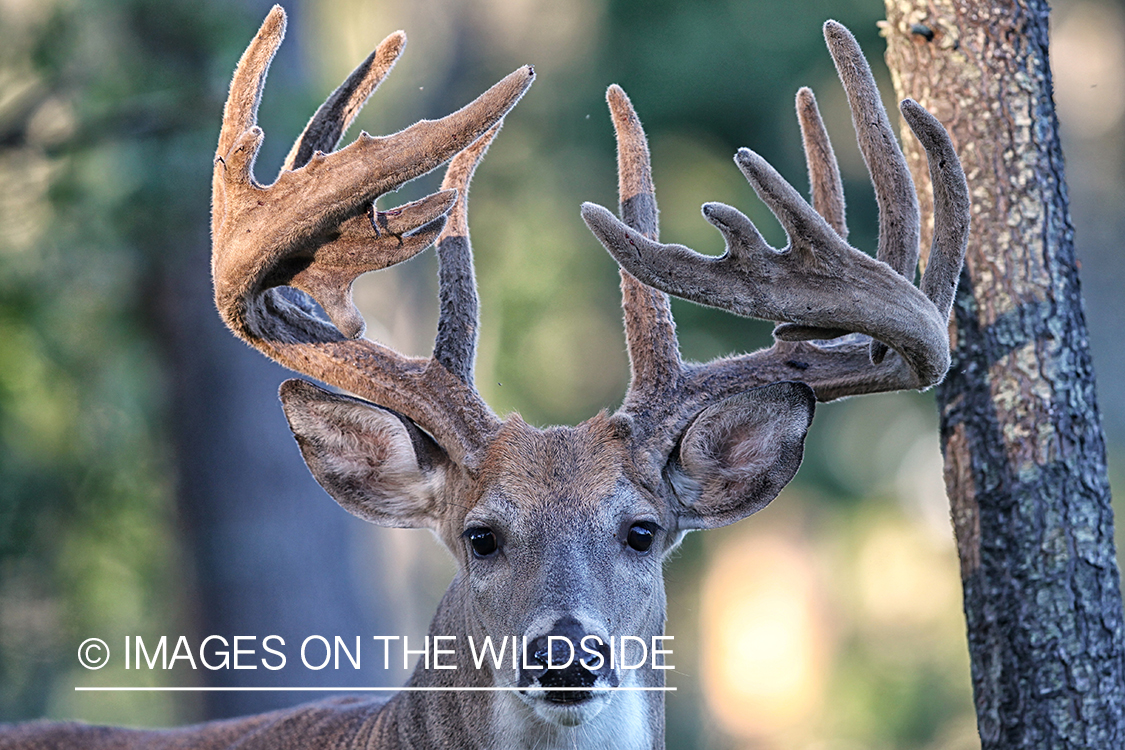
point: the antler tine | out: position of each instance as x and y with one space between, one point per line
894 189
635 189
240 113
459 317
825 185
827 191
332 119
951 207
650 333
804 225
316 229
899 222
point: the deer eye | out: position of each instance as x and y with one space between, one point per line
482 540
640 536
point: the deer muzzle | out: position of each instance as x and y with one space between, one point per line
568 660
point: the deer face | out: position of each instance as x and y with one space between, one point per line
560 537
547 557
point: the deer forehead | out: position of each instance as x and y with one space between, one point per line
568 471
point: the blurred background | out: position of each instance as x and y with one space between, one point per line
148 485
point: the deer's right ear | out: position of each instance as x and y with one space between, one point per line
376 463
738 454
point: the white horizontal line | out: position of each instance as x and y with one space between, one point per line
364 689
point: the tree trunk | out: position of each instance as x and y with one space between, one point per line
1025 463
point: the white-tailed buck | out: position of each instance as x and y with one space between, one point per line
560 532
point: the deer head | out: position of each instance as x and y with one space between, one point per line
562 531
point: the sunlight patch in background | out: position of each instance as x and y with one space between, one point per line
764 643
833 623
903 580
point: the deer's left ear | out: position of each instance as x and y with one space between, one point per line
739 453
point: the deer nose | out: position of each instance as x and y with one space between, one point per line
567 657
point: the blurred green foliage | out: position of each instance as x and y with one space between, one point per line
105 113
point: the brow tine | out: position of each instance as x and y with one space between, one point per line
459 305
650 333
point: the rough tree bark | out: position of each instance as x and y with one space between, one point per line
1024 450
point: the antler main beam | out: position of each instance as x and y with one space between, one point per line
316 229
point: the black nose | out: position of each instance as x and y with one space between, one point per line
547 655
